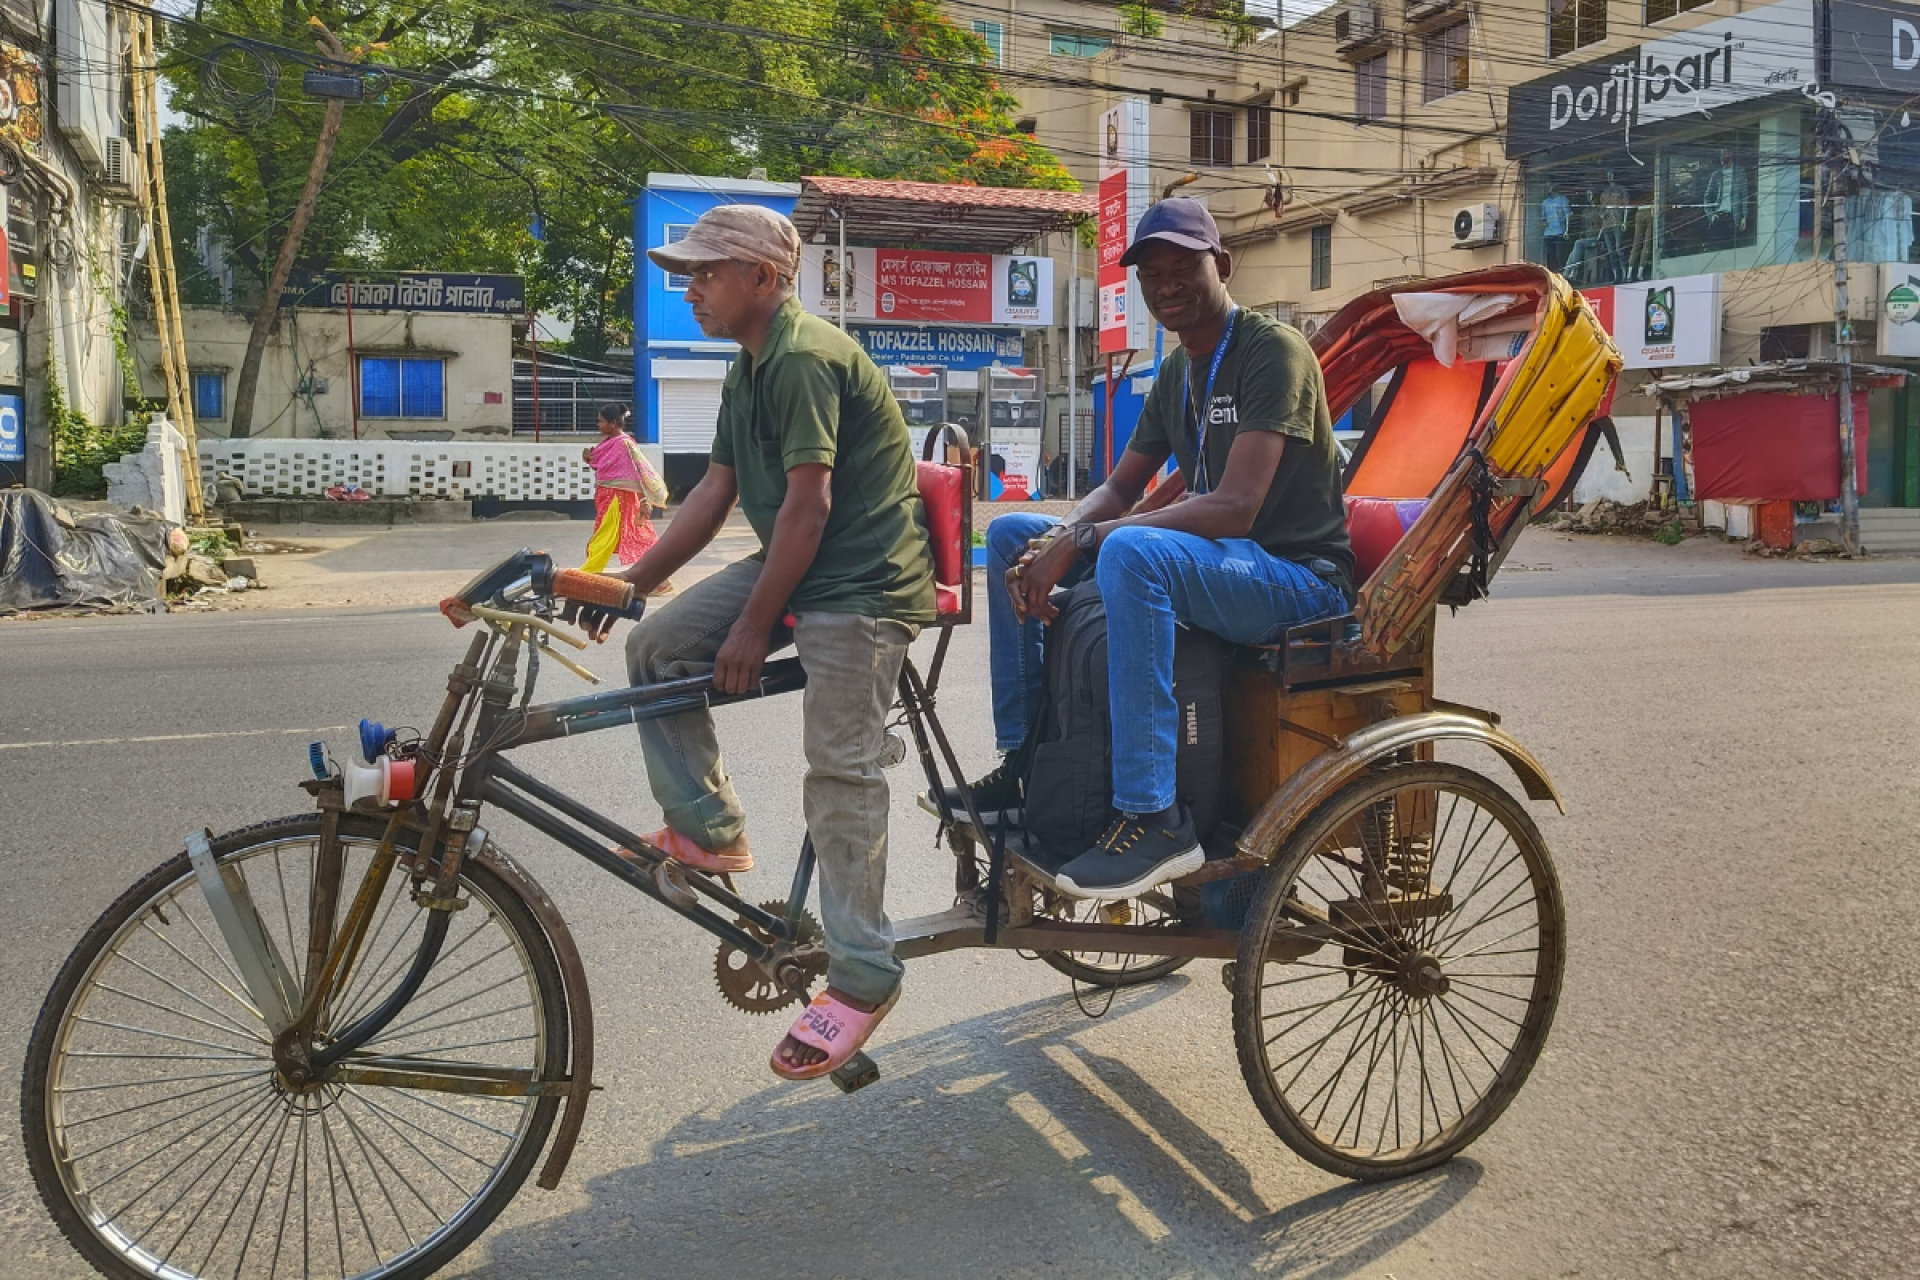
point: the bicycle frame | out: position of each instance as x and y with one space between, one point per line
463 762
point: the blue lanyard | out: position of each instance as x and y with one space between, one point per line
1200 484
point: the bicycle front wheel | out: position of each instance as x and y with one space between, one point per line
165 1145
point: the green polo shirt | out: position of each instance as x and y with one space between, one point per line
1269 380
814 396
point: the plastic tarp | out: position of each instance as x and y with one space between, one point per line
1771 446
50 559
1440 318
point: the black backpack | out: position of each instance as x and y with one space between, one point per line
1069 764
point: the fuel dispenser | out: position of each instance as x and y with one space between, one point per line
1016 413
922 393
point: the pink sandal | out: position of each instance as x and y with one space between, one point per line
836 1029
736 857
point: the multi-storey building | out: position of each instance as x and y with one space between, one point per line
1659 153
71 234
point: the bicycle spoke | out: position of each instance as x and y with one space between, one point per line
249 1036
186 1154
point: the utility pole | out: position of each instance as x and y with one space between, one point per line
1841 160
245 384
150 185
1843 344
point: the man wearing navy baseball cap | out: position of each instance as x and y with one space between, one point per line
1257 544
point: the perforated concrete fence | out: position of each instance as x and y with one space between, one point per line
401 468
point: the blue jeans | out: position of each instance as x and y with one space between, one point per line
1150 579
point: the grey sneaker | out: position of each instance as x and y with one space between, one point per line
1138 852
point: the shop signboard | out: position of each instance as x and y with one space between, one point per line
927 286
1124 323
1695 72
1660 324
13 433
1705 68
1898 333
949 348
448 292
1875 46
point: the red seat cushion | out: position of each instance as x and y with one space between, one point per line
943 493
1375 525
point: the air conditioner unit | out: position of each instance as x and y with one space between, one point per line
120 175
1426 10
1356 26
1476 225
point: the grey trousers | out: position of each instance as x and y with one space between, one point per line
853 667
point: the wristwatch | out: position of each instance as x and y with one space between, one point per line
1086 539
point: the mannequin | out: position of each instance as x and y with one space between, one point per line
1613 221
1726 200
1556 217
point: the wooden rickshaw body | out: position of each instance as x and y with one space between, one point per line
1305 716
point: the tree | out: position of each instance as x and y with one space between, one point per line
512 135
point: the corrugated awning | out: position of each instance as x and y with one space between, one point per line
1808 377
932 215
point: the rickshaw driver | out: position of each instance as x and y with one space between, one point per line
1257 544
812 444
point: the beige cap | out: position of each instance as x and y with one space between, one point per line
738 233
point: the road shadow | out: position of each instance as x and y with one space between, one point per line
994 1147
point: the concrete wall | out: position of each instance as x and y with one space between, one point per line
305 391
1602 481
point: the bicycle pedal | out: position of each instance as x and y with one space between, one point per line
856 1072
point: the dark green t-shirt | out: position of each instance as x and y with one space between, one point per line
1268 381
815 397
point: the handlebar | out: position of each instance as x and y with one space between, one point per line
597 589
531 574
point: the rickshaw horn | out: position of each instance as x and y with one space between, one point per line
375 738
384 782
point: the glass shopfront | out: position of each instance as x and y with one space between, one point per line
1720 199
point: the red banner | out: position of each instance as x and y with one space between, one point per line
1111 279
951 287
1769 445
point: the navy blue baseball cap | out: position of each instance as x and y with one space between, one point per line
1181 221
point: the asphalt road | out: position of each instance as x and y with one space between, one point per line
1728 1091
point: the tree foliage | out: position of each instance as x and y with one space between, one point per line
513 135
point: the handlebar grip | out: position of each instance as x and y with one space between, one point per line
594 588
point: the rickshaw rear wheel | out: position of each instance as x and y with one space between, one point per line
1398 971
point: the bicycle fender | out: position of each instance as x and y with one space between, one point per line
573 974
1326 773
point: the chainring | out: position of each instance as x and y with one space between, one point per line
749 988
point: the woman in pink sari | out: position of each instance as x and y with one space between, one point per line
625 486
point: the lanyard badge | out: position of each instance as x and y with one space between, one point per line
1201 481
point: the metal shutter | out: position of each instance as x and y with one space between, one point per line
689 412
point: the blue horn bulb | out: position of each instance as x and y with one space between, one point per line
374 739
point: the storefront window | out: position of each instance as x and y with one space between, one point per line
1882 225
1592 221
1719 199
1712 193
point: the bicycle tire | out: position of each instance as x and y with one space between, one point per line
45 1163
1367 970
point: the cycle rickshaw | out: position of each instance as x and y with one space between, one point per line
337 1043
